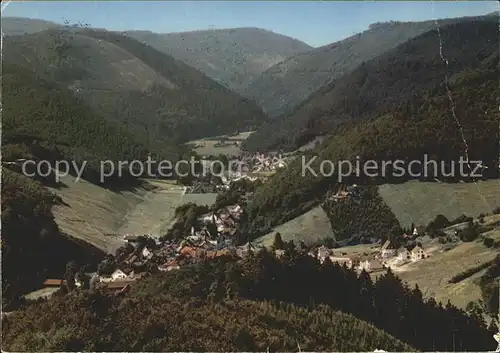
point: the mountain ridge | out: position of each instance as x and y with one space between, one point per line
181 102
283 87
231 56
386 80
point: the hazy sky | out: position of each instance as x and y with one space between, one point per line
316 23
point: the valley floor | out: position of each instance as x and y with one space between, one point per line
227 145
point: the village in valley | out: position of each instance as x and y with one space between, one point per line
145 254
215 233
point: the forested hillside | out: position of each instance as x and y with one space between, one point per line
32 246
123 80
140 323
380 84
45 120
233 57
284 86
260 303
425 125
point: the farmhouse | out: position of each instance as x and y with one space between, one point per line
404 254
118 274
418 253
341 261
146 253
370 265
386 251
323 252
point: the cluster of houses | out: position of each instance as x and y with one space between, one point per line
226 220
351 192
375 261
267 162
258 162
146 254
221 183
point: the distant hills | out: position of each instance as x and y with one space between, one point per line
232 57
379 84
284 86
15 26
128 82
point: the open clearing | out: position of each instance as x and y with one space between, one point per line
310 227
101 217
420 202
433 273
41 293
227 145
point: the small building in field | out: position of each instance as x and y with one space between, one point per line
418 253
404 254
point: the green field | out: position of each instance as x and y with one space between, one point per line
101 217
420 202
310 227
207 146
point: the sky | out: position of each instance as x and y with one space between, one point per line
316 23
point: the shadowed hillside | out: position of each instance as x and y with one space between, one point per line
206 326
33 248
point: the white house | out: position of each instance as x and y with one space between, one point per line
418 253
404 255
118 274
386 253
115 276
415 232
147 253
341 261
370 265
323 252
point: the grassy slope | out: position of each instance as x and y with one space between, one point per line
101 217
382 83
310 227
206 146
420 202
432 275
